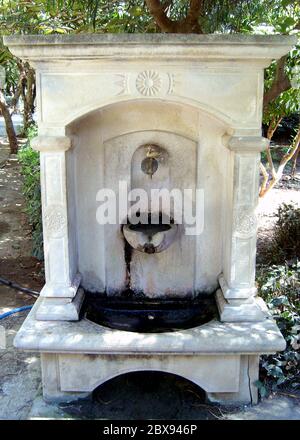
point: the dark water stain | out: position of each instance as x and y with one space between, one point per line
127 257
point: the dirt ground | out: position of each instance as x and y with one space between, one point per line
16 262
132 396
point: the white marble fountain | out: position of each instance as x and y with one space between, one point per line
197 100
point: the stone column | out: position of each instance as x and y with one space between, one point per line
236 296
61 298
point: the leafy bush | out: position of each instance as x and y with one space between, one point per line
279 286
30 169
285 244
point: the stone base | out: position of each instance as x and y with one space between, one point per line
247 392
241 310
52 290
77 357
235 293
60 309
230 379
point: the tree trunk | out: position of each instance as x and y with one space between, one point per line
28 98
16 97
280 84
10 130
294 168
27 78
190 24
264 186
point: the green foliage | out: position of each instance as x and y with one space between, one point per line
285 245
279 286
8 62
30 169
289 124
283 17
228 16
65 16
288 102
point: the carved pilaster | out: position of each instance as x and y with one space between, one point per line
62 279
236 298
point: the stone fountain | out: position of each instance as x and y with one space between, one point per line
153 111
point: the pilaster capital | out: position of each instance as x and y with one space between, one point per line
49 144
246 144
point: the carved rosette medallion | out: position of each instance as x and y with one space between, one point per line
245 224
148 83
55 221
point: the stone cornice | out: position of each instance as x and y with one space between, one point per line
150 46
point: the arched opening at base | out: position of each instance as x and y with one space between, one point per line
149 395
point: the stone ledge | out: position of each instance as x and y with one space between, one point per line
151 46
273 40
86 337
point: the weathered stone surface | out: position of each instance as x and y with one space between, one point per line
200 99
87 337
63 309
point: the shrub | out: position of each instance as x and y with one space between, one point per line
279 286
285 245
30 169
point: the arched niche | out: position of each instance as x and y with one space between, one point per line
98 140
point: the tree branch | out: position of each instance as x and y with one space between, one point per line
267 184
189 24
159 14
295 159
288 156
191 20
17 95
280 84
264 183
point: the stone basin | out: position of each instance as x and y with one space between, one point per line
149 316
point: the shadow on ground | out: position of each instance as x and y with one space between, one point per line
145 395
